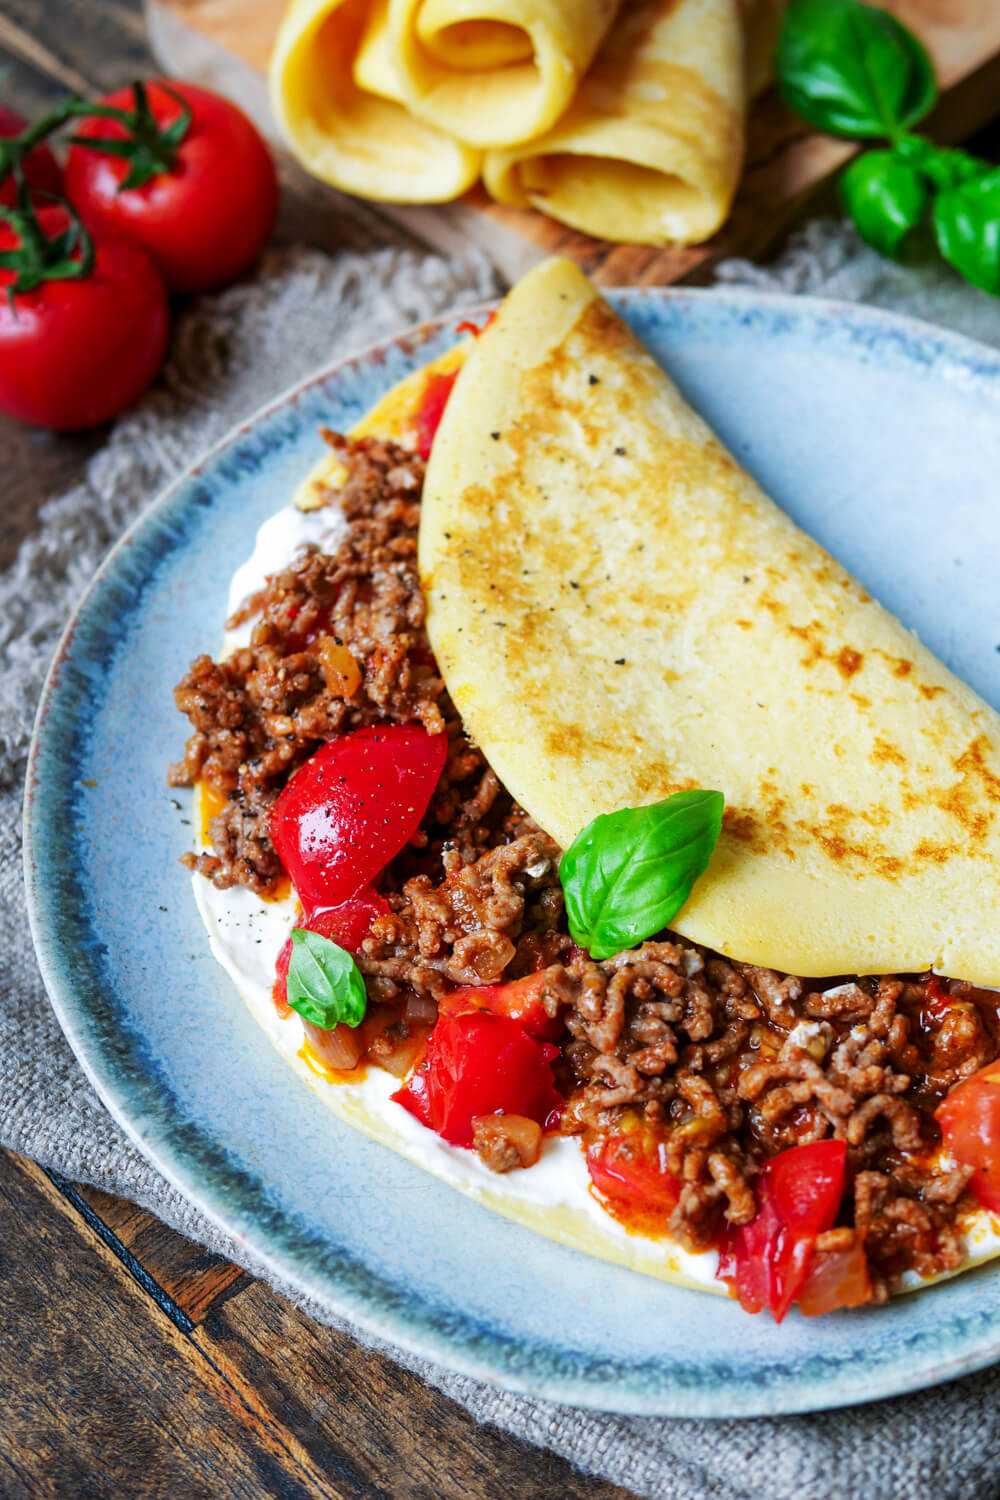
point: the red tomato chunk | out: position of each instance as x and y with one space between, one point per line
431 410
353 805
970 1125
481 1064
631 1170
521 1000
798 1194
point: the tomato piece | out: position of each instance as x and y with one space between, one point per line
352 806
970 1126
798 1195
467 326
76 351
632 1170
347 926
521 1000
431 409
41 170
480 1064
835 1279
204 220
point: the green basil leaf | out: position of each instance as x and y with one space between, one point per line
885 197
942 166
853 70
324 983
967 226
628 873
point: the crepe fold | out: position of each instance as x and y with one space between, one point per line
651 149
620 613
346 122
493 72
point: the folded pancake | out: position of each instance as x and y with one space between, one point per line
620 613
355 133
651 148
552 1198
494 72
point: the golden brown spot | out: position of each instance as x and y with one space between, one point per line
935 854
848 661
929 690
860 700
884 750
834 844
745 624
972 763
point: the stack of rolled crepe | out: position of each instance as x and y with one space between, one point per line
622 118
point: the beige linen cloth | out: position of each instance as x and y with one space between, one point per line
232 352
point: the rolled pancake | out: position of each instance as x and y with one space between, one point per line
651 148
620 613
493 72
356 137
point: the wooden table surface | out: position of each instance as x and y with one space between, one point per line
132 1363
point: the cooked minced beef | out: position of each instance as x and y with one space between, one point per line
724 1063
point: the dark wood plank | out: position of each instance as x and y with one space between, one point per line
134 1400
191 1276
84 45
101 1393
414 1443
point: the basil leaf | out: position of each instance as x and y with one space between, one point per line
942 166
324 983
853 70
628 873
967 226
885 197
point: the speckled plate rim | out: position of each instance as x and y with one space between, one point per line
196 1165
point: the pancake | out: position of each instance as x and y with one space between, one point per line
651 148
578 337
493 72
666 626
346 123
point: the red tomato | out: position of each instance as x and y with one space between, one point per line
40 168
798 1195
469 327
74 352
837 1278
970 1125
521 1000
347 926
480 1064
205 218
632 1170
431 409
353 805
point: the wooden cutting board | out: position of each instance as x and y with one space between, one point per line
225 44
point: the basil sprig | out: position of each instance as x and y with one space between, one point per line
628 873
324 983
853 70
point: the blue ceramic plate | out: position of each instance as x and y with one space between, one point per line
881 437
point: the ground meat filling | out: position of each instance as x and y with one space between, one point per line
727 1064
338 642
